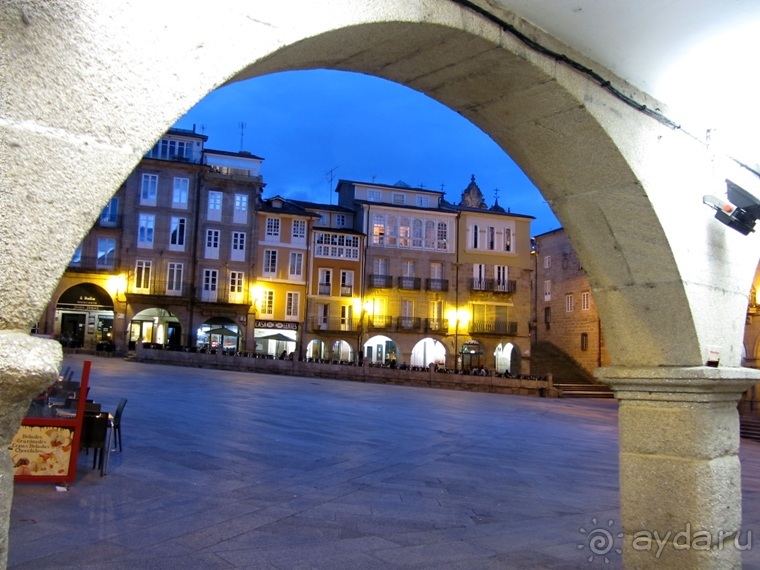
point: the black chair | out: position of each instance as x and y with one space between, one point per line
94 436
116 423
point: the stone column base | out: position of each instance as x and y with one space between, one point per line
680 477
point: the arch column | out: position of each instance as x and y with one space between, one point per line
680 476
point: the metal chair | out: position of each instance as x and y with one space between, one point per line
95 436
116 423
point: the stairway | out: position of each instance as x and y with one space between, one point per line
570 379
749 426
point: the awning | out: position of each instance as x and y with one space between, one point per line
276 336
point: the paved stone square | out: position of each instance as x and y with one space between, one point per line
239 470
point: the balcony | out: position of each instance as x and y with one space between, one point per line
223 296
92 263
161 288
380 281
409 283
493 285
109 220
346 290
379 323
235 173
437 325
333 324
493 327
437 284
408 324
324 289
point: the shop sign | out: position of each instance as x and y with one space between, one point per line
278 325
38 451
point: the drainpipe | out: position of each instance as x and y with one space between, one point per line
190 335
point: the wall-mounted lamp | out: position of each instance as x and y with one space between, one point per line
740 213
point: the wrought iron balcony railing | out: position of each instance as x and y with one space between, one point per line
409 283
380 281
437 284
493 327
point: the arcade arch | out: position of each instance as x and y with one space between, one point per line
666 297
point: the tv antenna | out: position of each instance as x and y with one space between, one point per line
329 176
242 126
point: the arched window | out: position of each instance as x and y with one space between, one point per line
443 236
429 234
417 233
403 232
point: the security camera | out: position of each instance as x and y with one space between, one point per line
740 212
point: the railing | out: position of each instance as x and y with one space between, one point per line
409 323
324 289
229 171
437 325
92 263
493 285
333 324
493 327
437 284
380 281
160 287
409 283
346 290
377 322
109 221
223 295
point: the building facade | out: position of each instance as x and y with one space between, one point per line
565 314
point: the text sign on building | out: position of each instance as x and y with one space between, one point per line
279 325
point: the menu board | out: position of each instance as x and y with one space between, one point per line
40 451
46 445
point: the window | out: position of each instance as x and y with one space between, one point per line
548 317
346 283
374 195
145 227
174 278
236 283
299 230
273 229
110 214
171 150
177 234
423 201
296 265
238 246
210 283
267 303
340 220
380 266
240 215
507 239
584 341
548 290
142 275
436 270
491 238
148 189
478 276
585 301
214 206
475 237
442 235
429 235
106 253
270 262
346 317
547 262
417 233
325 281
501 273
398 198
408 268
179 192
76 259
292 301
403 232
569 303
391 232
212 244
378 230
336 246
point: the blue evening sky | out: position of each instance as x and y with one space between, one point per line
308 124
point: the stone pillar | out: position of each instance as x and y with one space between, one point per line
680 477
28 365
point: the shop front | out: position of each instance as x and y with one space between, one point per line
84 317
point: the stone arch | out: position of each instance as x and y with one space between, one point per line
547 117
